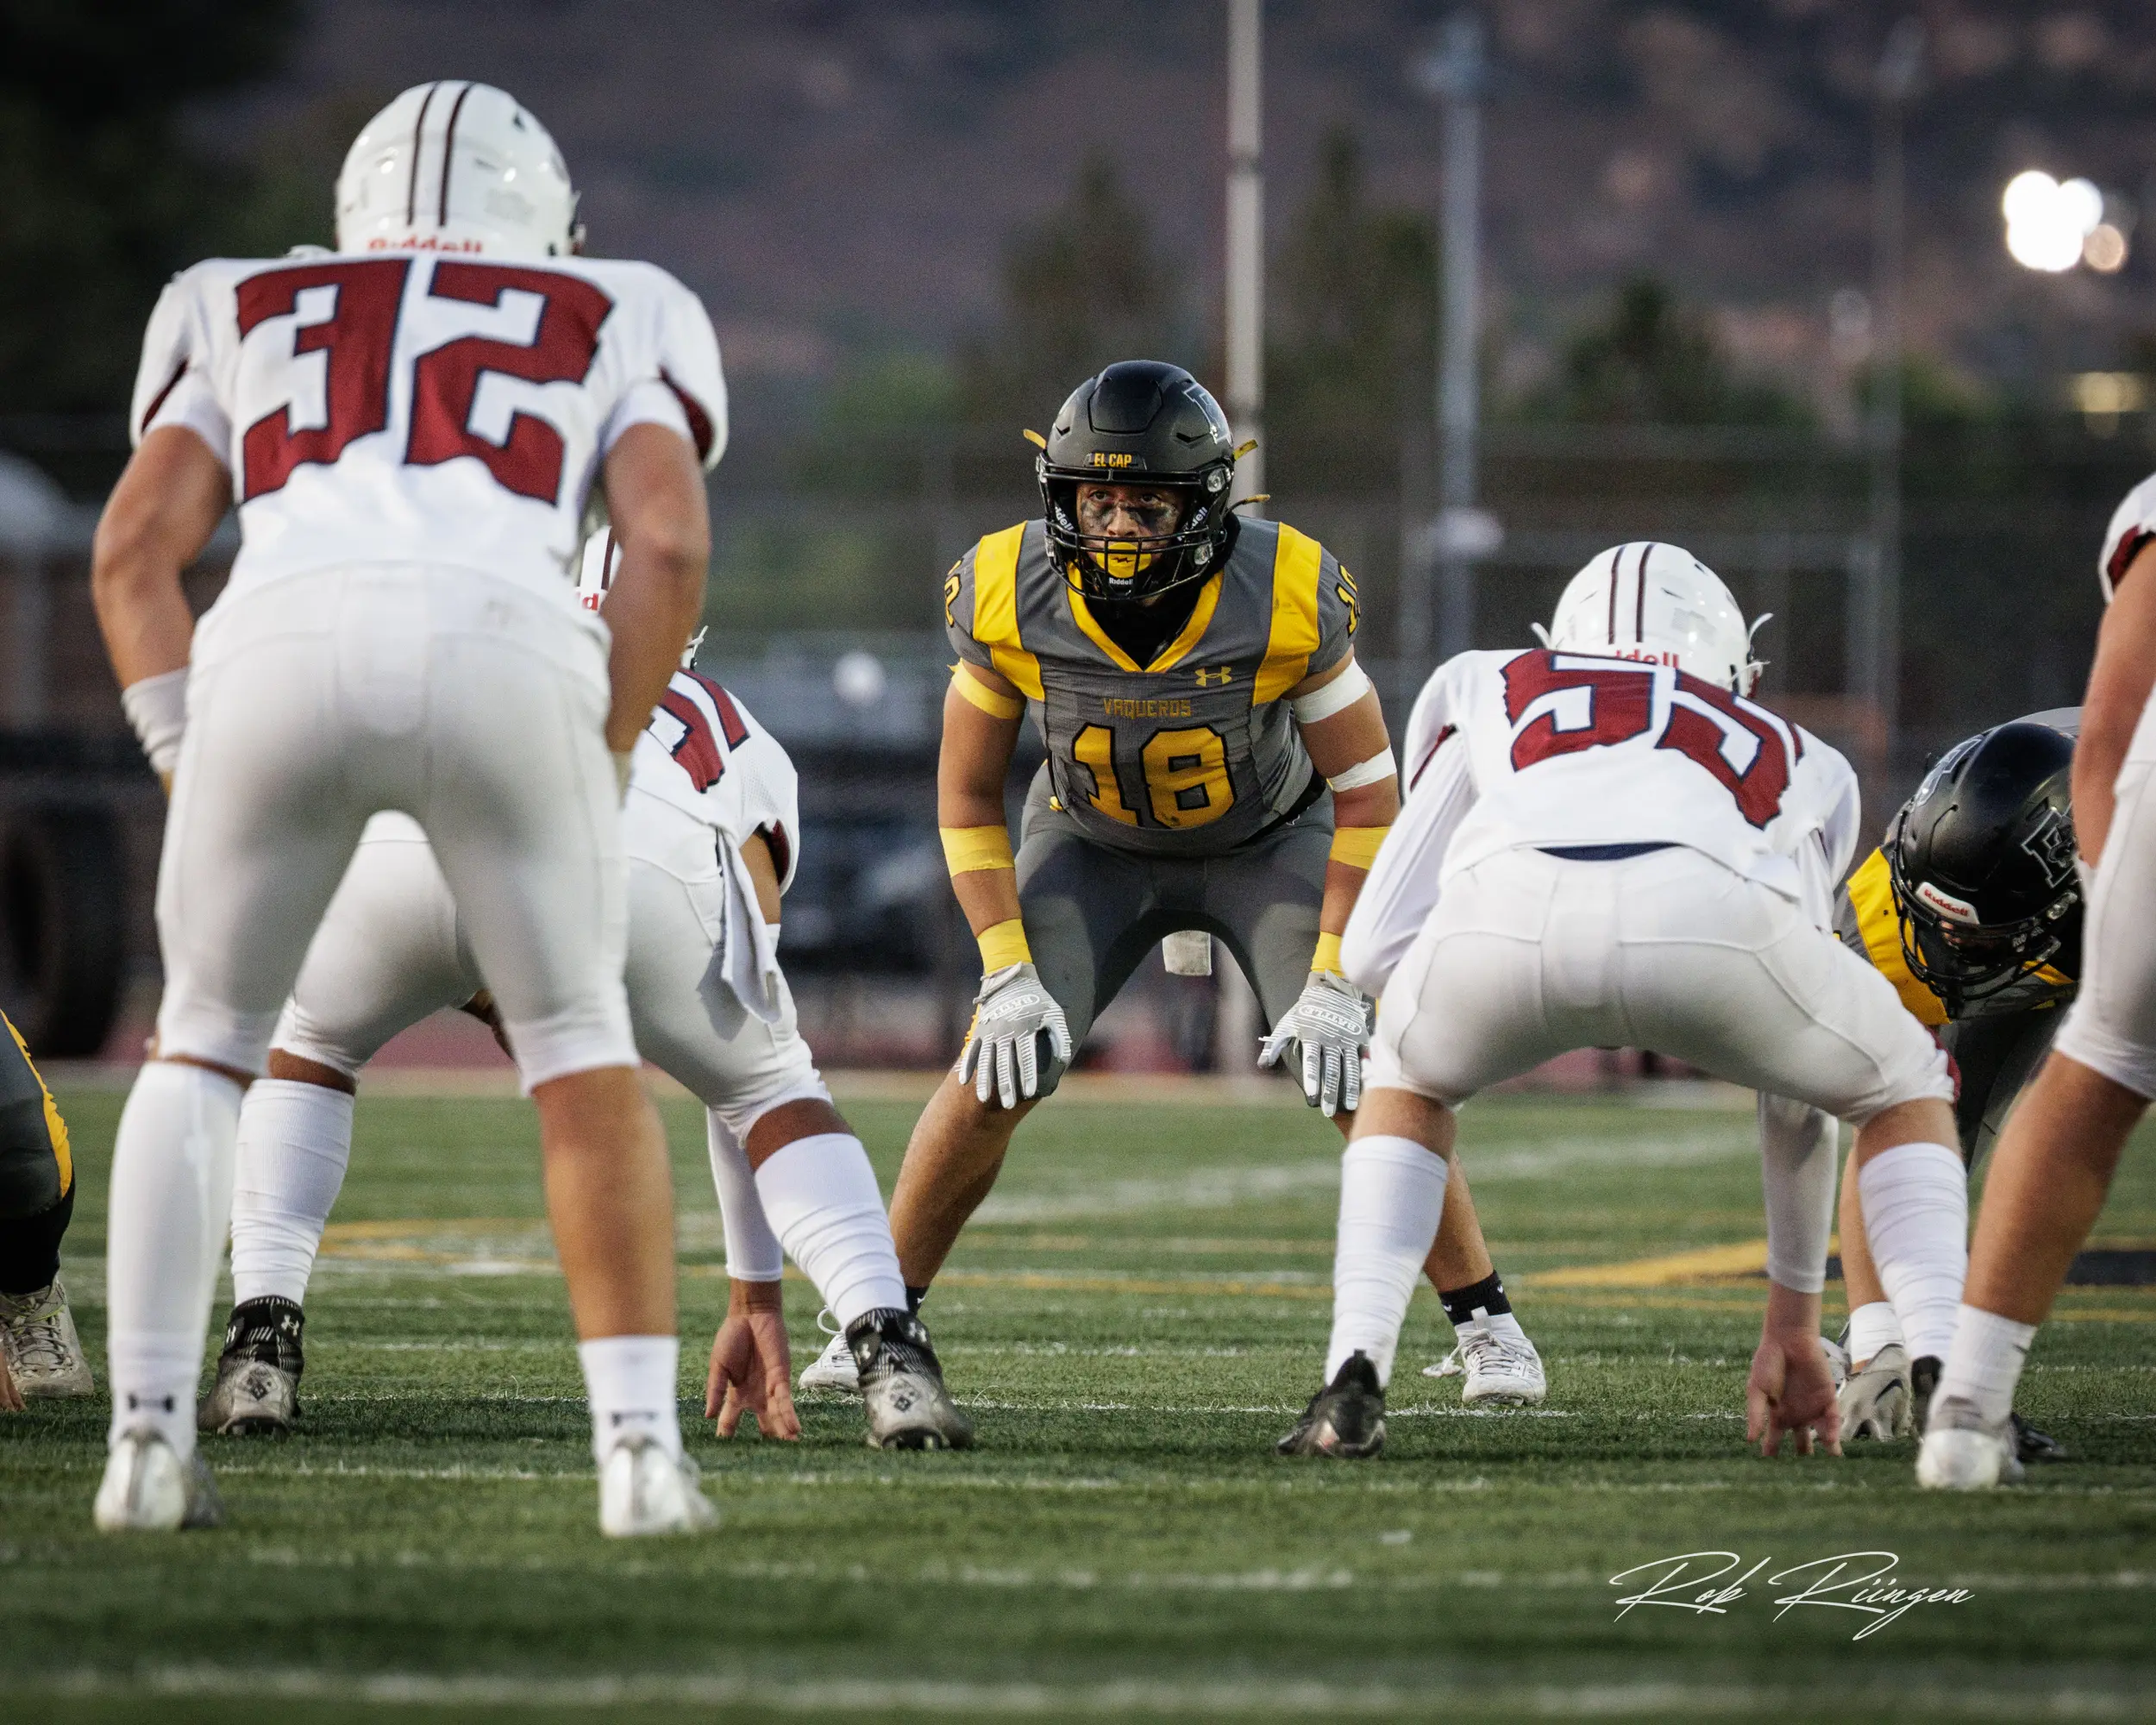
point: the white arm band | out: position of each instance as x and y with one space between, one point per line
752 1253
157 708
1337 696
1373 771
1799 1154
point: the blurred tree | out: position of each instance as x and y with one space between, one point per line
1655 362
1350 361
1081 289
879 425
107 196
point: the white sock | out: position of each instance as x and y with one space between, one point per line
821 1196
171 1192
631 1383
1916 1199
1984 1363
1872 1325
295 1141
1392 1197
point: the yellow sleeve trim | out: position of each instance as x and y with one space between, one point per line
996 705
1003 945
1297 561
995 609
55 1127
1356 847
967 850
1327 957
1871 896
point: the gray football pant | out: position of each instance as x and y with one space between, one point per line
1092 913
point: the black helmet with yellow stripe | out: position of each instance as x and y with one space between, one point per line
1982 864
1151 427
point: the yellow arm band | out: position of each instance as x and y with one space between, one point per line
1327 957
971 688
969 848
1356 847
1003 945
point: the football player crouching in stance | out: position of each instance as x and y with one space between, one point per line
711 825
1970 908
1606 842
40 1358
2057 1156
399 632
1194 677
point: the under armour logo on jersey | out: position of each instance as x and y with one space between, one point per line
1222 677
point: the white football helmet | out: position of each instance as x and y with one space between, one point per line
1647 600
595 575
456 166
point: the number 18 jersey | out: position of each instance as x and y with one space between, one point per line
405 407
1557 751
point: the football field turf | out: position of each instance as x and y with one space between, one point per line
1133 1321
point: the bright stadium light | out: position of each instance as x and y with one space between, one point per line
2048 222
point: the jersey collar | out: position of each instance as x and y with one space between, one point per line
1170 656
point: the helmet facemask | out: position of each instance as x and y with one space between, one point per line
1178 546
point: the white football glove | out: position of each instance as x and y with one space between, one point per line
1011 1011
1331 1020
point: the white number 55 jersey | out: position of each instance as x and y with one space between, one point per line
406 407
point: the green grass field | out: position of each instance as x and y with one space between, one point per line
1132 1324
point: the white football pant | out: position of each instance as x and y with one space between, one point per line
2111 1028
1529 955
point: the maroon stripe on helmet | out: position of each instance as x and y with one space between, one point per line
418 131
1616 566
448 143
1640 616
157 401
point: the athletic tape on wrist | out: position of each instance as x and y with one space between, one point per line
967 850
1337 696
1003 945
157 708
1327 955
996 705
1379 768
1356 847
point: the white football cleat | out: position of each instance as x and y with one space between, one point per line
833 1369
1879 1400
149 1489
643 1490
1961 1453
1499 1370
37 1334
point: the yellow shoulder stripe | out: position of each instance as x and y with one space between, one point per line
993 702
995 609
1294 637
55 1127
1871 896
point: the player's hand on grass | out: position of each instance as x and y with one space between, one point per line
1331 1020
1002 1055
1790 1390
752 1368
11 1397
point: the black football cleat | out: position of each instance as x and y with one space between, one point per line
257 1391
2030 1445
1345 1420
902 1385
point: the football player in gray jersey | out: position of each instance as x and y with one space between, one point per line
1193 675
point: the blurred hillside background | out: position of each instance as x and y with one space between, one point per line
918 224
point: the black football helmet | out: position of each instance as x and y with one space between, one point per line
1140 421
1982 864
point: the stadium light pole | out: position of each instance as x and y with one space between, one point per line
1460 534
1875 637
1246 240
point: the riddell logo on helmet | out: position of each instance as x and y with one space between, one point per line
424 242
1641 655
1957 910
